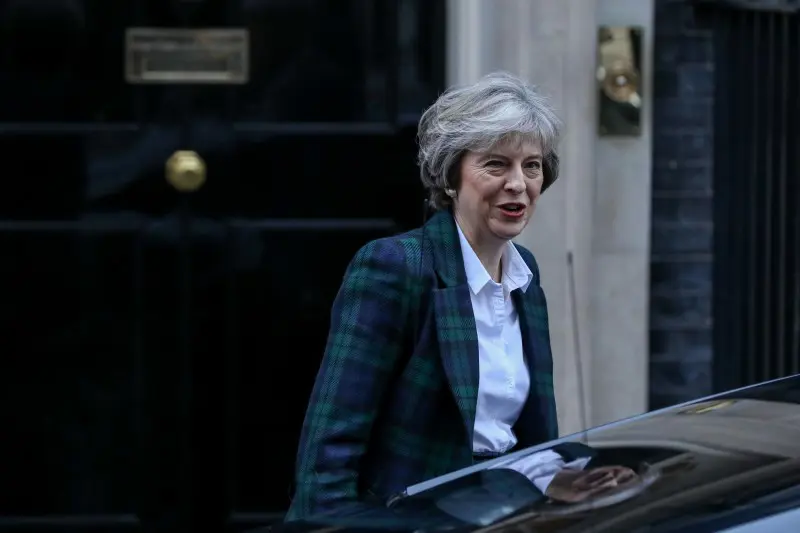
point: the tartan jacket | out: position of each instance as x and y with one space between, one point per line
395 397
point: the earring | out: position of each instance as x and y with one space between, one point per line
450 192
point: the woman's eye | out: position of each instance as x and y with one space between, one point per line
535 165
494 163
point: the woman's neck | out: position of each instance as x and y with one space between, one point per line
491 259
488 250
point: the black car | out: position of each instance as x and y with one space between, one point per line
728 463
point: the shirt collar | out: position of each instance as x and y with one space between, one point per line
516 274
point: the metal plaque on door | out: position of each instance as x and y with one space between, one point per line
186 56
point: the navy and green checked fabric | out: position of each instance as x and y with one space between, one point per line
394 400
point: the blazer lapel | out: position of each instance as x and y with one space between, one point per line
538 420
455 321
458 348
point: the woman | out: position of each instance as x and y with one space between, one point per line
439 352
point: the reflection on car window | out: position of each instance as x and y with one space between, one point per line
673 482
481 498
490 496
702 467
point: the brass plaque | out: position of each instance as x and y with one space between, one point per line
197 56
619 67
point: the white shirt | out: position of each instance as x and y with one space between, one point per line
504 378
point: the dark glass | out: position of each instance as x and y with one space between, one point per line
479 499
782 390
705 466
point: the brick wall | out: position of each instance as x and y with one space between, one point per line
682 223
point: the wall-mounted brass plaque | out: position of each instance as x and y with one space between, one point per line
201 56
619 67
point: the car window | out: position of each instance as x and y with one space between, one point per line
481 498
696 456
709 464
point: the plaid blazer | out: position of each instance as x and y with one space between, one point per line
394 401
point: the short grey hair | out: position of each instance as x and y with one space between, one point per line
475 117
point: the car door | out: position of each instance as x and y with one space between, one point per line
179 206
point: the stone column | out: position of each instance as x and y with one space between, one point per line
620 289
551 44
599 329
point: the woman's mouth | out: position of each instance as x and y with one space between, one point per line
512 209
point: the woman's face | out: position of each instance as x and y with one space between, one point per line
498 190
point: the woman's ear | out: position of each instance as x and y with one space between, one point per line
550 169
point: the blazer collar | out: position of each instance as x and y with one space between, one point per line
443 243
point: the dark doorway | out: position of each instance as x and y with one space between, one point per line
159 347
756 192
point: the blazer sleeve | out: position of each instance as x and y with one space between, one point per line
362 352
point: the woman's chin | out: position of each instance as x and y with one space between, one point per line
507 230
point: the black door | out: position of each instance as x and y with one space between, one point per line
159 344
756 223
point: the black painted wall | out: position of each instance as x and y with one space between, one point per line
681 351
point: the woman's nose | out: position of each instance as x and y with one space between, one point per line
515 181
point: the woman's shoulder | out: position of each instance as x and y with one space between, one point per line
401 252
